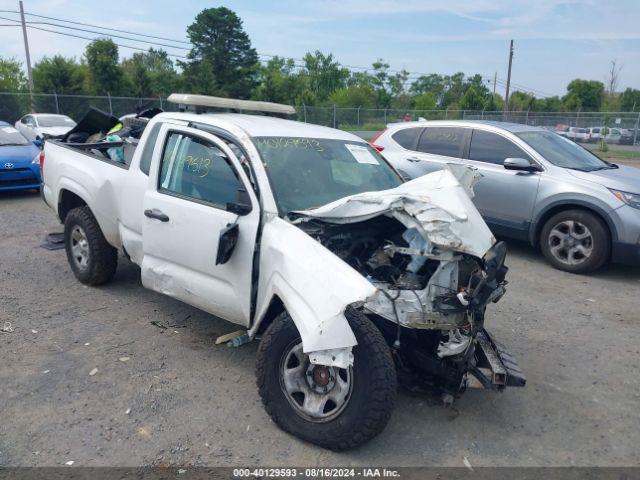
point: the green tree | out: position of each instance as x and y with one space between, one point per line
495 103
472 100
353 96
278 82
59 75
571 102
105 75
630 100
588 94
521 101
433 84
323 75
222 60
150 73
425 101
549 104
12 79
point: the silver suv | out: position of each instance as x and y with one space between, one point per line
537 186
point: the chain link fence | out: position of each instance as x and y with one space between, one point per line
15 105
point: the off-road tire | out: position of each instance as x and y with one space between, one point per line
103 258
372 398
601 241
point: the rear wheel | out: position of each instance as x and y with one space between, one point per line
332 407
575 241
92 260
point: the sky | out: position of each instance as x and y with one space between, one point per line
555 41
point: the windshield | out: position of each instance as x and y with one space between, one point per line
11 136
310 172
563 152
55 121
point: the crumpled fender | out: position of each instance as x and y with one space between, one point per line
314 285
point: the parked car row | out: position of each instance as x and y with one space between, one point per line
537 186
617 135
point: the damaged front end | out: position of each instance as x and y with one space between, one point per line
435 267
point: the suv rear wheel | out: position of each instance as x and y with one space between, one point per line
332 407
575 241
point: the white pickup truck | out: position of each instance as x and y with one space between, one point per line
307 238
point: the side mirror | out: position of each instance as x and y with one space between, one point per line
242 205
521 164
227 243
38 143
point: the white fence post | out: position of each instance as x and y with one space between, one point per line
334 115
358 115
110 107
55 96
304 110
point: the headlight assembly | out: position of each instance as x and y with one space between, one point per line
631 199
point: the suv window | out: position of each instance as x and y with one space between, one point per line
407 137
192 167
492 148
147 152
445 141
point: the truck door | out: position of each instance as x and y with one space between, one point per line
197 194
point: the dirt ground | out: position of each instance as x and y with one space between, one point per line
178 399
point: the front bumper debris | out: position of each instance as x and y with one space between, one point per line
495 368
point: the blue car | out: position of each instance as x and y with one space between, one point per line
19 160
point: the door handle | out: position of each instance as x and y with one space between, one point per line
157 214
413 159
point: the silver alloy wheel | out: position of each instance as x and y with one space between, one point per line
318 393
570 242
79 247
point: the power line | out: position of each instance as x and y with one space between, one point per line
299 62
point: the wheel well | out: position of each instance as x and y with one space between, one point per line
68 201
276 307
561 208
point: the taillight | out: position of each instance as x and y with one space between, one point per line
41 161
372 142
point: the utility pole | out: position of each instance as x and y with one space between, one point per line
26 49
506 95
495 77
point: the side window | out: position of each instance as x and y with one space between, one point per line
147 152
407 137
192 167
491 148
447 141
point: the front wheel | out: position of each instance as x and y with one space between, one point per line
329 406
575 241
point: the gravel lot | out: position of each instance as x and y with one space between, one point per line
190 402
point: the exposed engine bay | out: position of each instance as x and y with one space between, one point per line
429 302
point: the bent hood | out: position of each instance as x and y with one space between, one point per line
437 204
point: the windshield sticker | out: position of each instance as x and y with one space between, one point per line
288 142
362 154
9 130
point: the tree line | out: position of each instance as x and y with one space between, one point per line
223 62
